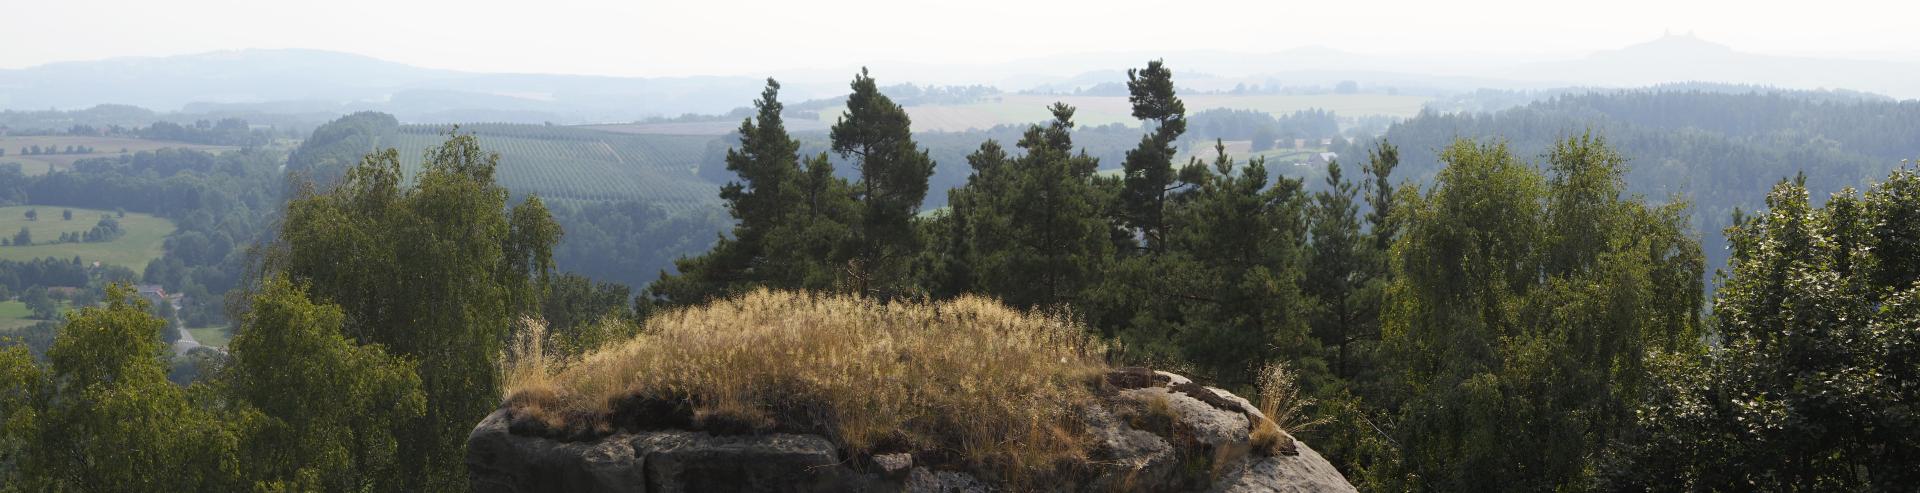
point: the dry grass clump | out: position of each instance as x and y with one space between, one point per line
1268 439
1280 400
968 381
527 370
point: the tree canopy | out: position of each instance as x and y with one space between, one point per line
435 269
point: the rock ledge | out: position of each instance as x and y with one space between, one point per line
1157 432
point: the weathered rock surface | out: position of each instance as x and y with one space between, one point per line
1154 434
1304 472
498 460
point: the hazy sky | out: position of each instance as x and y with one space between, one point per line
686 37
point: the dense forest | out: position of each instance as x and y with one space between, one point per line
1501 292
1716 149
1516 301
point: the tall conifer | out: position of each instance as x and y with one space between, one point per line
875 134
1150 176
1034 228
767 163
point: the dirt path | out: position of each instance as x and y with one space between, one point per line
186 341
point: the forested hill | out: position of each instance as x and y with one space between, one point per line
557 162
1720 151
629 203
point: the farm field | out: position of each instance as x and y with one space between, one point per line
211 336
145 239
571 163
1241 150
14 315
102 147
717 127
1103 110
1280 162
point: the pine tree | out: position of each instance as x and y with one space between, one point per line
972 226
1381 160
875 134
1339 273
811 247
1234 270
768 165
1034 231
1149 171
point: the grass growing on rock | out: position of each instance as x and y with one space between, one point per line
968 381
1283 409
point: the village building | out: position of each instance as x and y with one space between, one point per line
1320 159
152 292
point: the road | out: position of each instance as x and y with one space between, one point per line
186 341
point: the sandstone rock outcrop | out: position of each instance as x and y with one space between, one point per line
1157 432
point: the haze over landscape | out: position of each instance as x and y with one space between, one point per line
855 245
322 80
655 39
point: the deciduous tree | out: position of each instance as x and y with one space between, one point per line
1818 364
101 416
435 269
335 410
1522 311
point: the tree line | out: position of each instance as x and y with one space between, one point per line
1718 148
108 229
1509 326
365 350
1263 130
1197 262
36 150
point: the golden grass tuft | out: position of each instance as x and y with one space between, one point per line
1285 409
1267 438
984 386
526 366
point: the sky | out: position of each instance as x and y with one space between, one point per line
720 37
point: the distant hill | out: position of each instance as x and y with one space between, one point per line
559 163
322 81
629 203
1668 59
312 82
1719 151
1676 58
565 163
